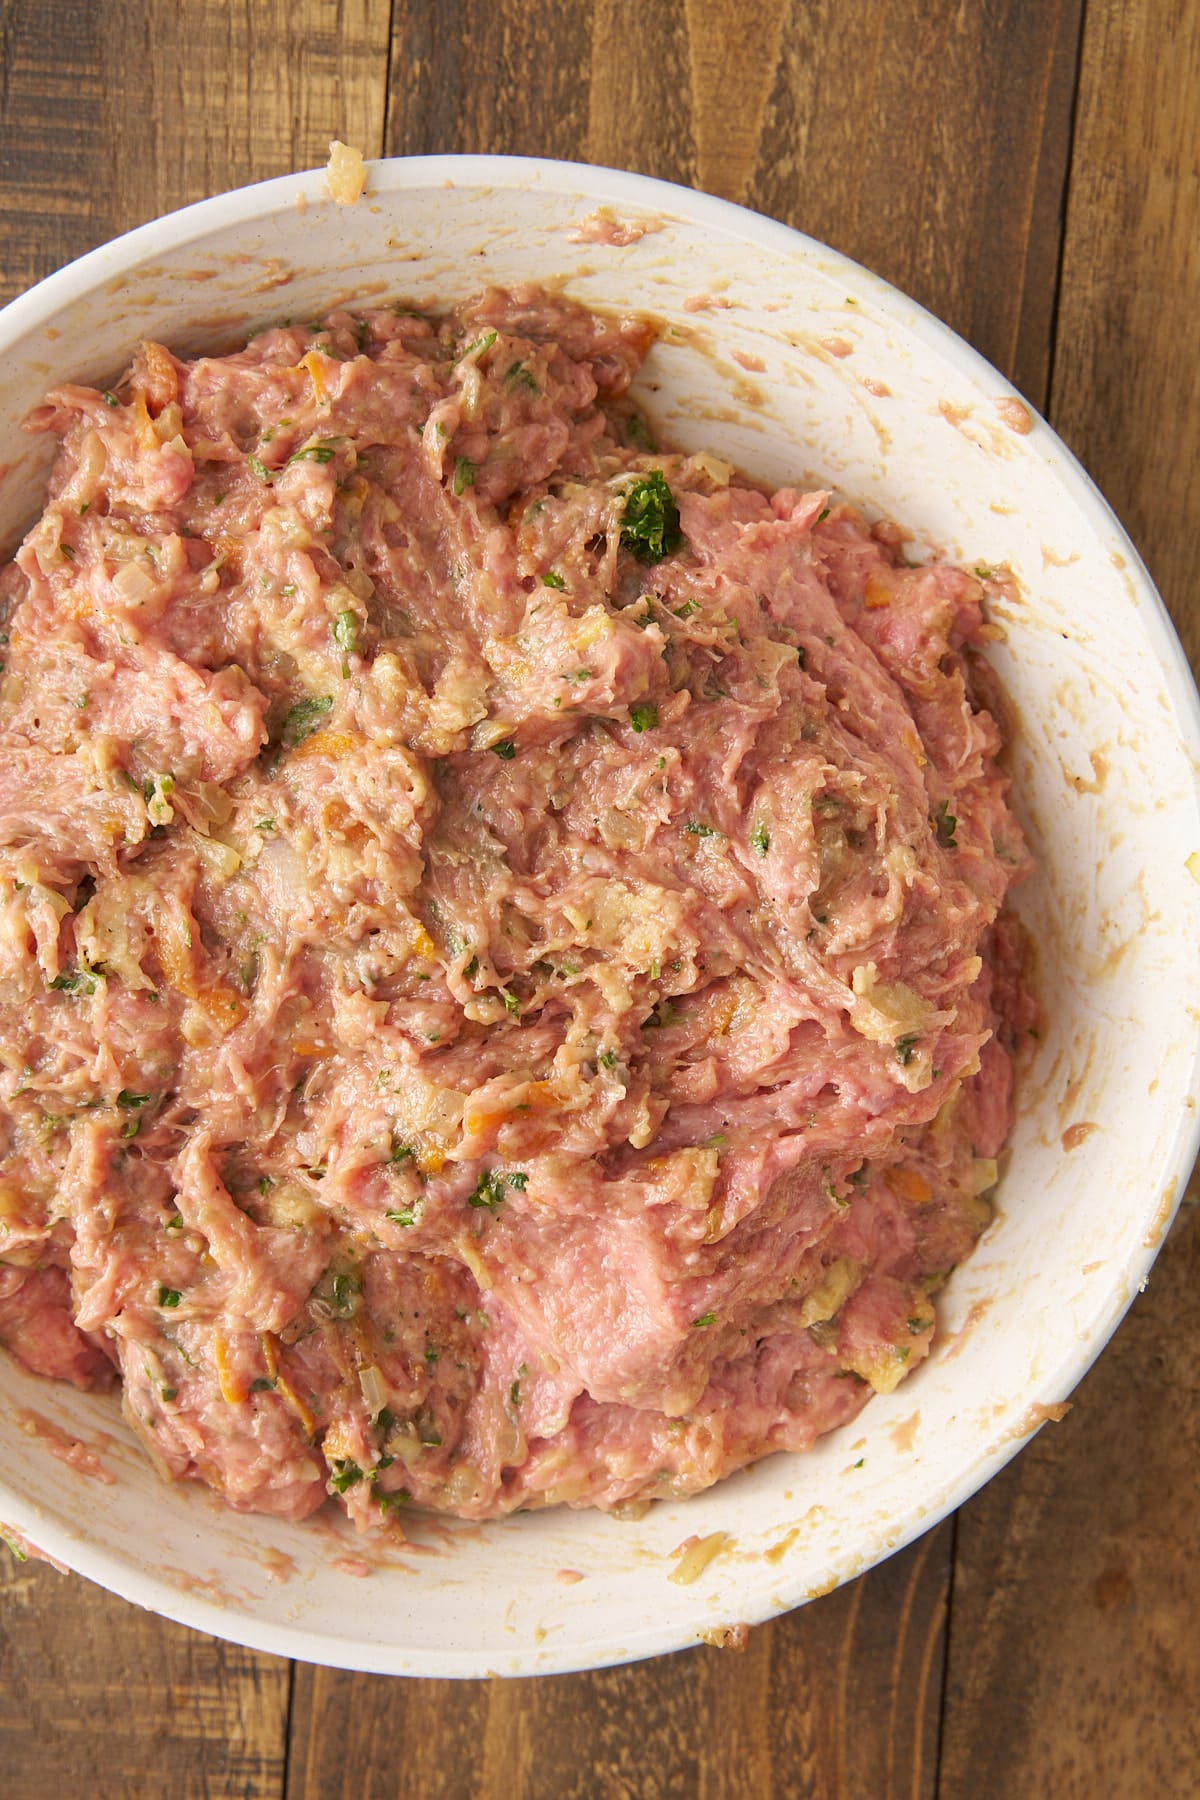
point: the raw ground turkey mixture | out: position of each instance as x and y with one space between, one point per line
504 991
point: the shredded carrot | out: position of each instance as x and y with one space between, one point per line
878 592
328 743
315 363
909 1185
234 1386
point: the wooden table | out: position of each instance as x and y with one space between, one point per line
1030 170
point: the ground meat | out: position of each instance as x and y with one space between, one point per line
505 996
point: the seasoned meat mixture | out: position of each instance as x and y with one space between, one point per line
505 996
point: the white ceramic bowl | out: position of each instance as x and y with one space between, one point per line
799 366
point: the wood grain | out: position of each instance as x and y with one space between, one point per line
839 1700
925 138
1074 1653
1074 1650
111 114
98 1697
1129 321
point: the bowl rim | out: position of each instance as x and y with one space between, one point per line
607 187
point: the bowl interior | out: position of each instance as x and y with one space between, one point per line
801 368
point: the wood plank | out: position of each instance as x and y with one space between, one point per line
1074 1655
1074 1651
168 103
1129 323
839 1700
94 1690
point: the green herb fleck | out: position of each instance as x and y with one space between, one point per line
552 579
650 521
643 716
705 1319
760 839
169 1297
319 453
905 1047
917 1326
342 1291
127 1097
345 630
944 823
345 1474
695 829
688 609
464 474
479 345
174 1224
505 750
405 1218
258 467
489 1191
110 399
518 376
304 718
83 980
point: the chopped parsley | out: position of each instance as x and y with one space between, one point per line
343 1290
944 823
505 749
169 1297
643 716
479 345
905 1047
688 609
127 1097
705 1319
323 452
760 839
490 1189
259 468
823 514
464 474
345 630
695 829
110 399
552 579
304 718
83 980
405 1218
650 521
345 1474
518 376
917 1326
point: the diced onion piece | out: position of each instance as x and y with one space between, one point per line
373 1391
221 858
697 1554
